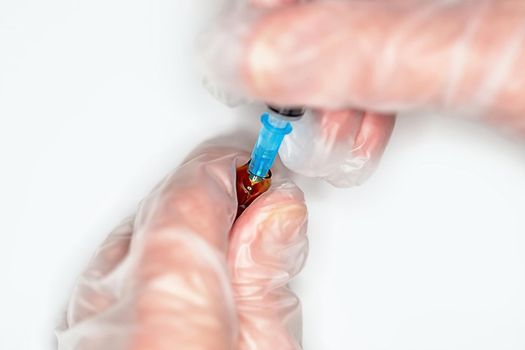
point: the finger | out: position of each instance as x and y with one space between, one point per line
199 197
182 234
371 141
340 146
173 287
91 296
268 247
389 57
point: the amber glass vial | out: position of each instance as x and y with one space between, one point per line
248 188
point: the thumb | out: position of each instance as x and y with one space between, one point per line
268 247
390 56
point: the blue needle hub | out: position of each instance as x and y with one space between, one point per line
266 148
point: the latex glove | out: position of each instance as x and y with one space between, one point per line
387 56
182 275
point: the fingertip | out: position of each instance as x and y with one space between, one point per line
379 124
369 145
374 135
273 231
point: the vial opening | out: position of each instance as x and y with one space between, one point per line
249 187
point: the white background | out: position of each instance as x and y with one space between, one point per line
100 99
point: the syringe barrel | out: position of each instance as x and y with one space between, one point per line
267 147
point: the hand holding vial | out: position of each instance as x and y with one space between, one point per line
182 274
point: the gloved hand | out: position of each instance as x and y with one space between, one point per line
182 275
387 56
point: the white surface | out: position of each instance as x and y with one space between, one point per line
98 100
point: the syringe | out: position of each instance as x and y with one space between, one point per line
275 126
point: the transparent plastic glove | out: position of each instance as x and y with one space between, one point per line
387 56
342 146
182 275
